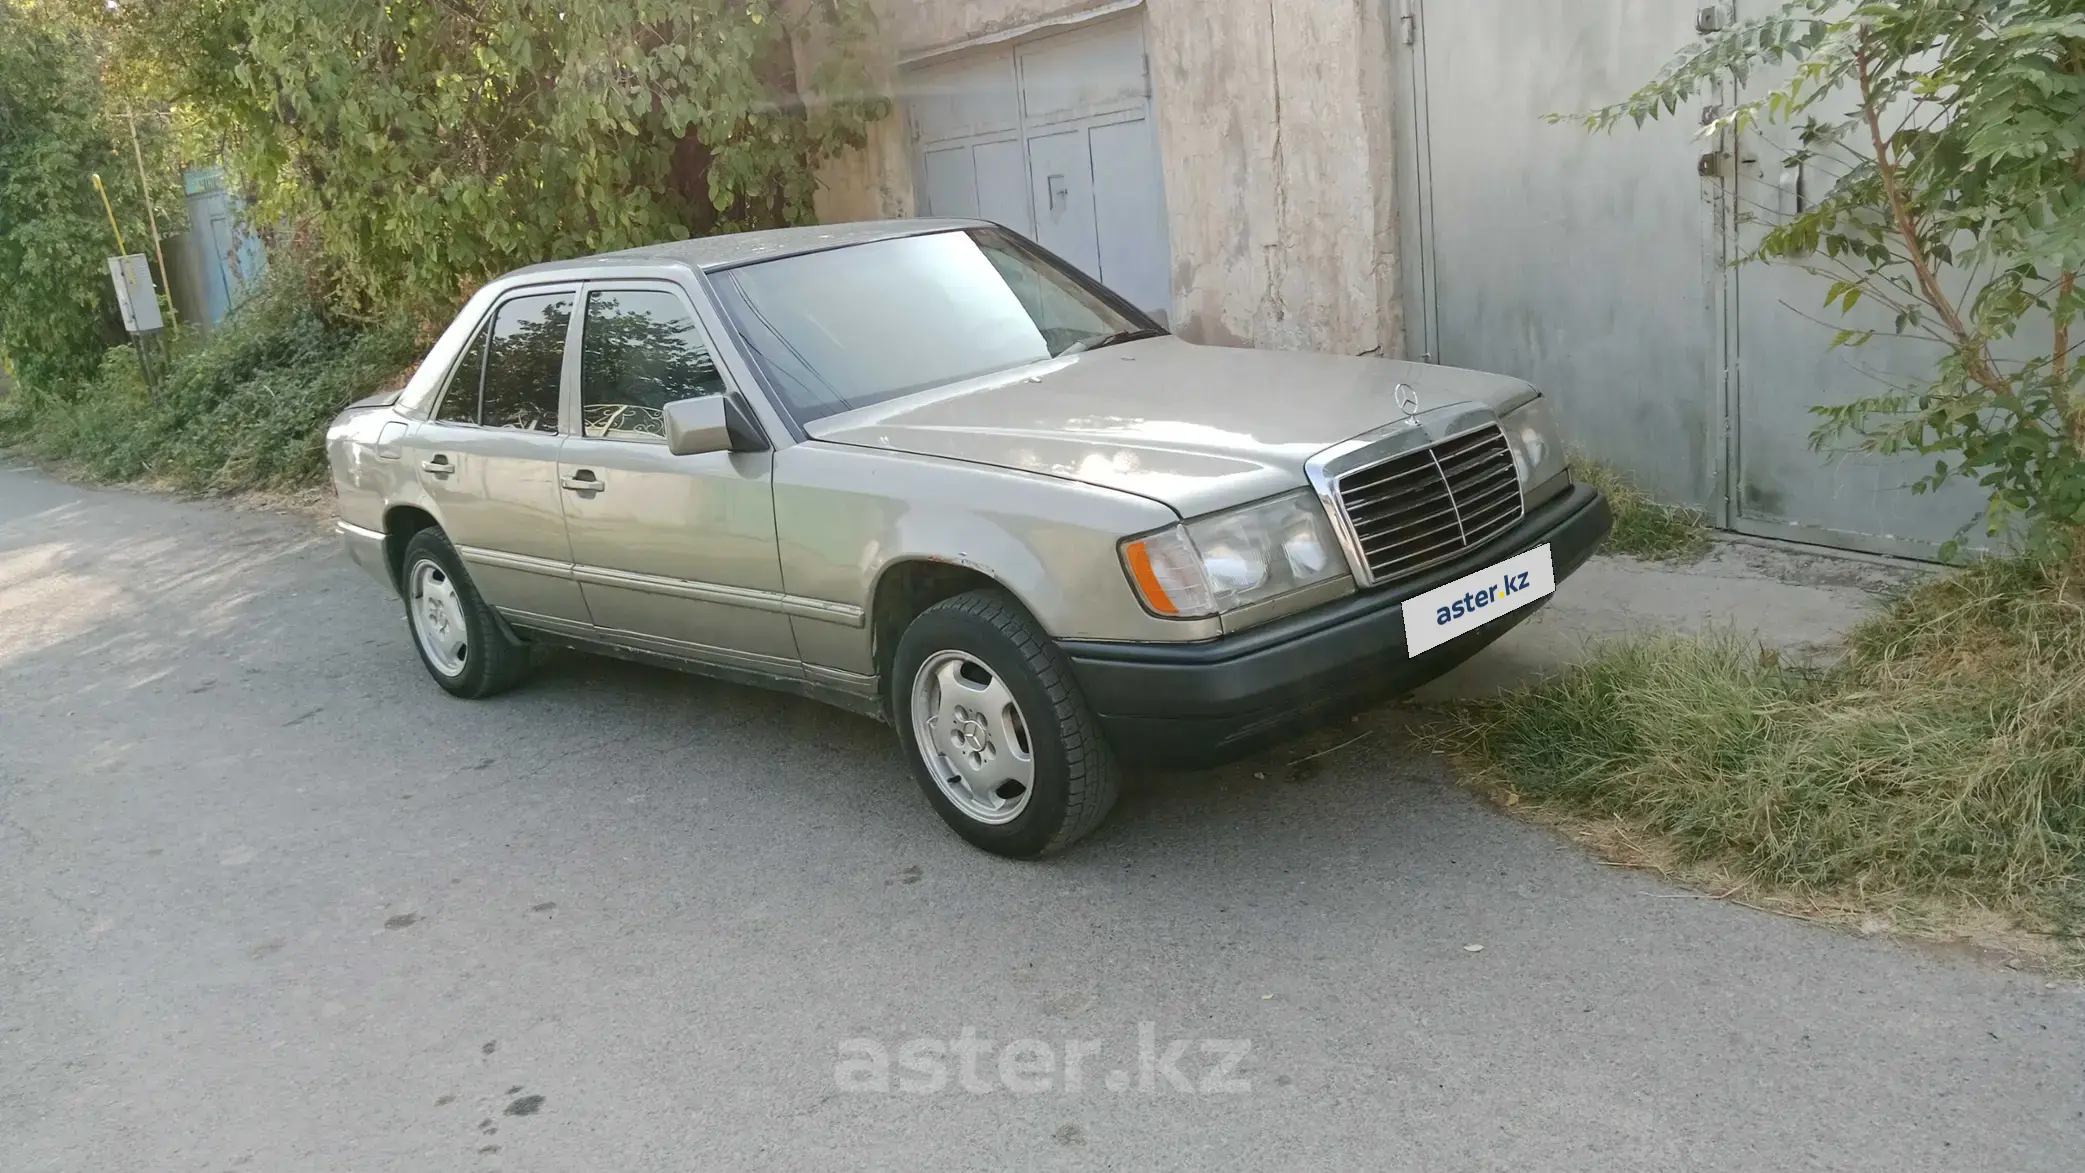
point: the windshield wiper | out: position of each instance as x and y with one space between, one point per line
1096 343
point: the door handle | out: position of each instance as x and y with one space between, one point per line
1792 185
583 481
438 465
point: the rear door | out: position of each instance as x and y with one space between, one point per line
678 550
487 457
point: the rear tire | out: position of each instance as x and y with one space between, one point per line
460 640
998 734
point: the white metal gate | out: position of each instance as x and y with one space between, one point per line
1596 266
1053 138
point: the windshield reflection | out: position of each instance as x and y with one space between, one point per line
848 327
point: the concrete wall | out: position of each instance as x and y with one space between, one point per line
875 182
1274 127
924 26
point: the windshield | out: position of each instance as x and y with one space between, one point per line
849 327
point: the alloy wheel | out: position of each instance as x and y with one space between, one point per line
972 737
436 613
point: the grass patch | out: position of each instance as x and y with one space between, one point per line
1941 760
243 407
1642 527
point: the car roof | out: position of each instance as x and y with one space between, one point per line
738 248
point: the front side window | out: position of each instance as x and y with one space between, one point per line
639 350
523 362
848 327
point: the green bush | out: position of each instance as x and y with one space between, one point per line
243 407
423 148
57 131
1944 757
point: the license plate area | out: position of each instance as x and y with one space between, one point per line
1460 607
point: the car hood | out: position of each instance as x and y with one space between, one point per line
1199 428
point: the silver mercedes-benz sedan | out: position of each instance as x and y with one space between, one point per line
930 473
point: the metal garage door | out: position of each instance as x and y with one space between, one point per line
1596 267
1053 138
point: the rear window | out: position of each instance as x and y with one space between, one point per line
460 393
524 362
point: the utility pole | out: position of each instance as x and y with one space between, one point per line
151 220
137 345
104 194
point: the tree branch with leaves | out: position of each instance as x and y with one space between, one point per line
1960 125
423 147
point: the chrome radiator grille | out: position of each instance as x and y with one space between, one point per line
1423 507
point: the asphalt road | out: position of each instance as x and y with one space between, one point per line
270 901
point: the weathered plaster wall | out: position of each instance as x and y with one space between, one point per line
875 182
1274 131
923 26
1278 176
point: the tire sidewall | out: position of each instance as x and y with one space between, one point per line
935 631
431 545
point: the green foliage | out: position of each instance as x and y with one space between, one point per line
426 147
1642 527
1944 758
1958 128
57 312
243 407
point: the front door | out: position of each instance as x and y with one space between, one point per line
677 550
488 458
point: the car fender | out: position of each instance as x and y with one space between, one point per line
847 515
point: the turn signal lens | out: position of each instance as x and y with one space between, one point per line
1168 574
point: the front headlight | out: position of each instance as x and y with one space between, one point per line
1538 449
1216 564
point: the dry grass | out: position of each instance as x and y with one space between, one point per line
1642 527
1934 778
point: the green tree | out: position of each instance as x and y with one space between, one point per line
423 147
57 310
1958 129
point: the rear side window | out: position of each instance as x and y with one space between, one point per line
640 350
460 393
523 360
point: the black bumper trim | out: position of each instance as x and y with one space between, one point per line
1191 703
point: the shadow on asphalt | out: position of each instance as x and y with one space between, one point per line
1342 781
119 614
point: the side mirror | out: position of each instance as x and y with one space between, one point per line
713 423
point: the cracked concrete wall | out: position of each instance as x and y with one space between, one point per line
1274 130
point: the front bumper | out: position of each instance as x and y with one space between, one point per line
1198 704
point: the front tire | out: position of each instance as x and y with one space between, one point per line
458 637
998 735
